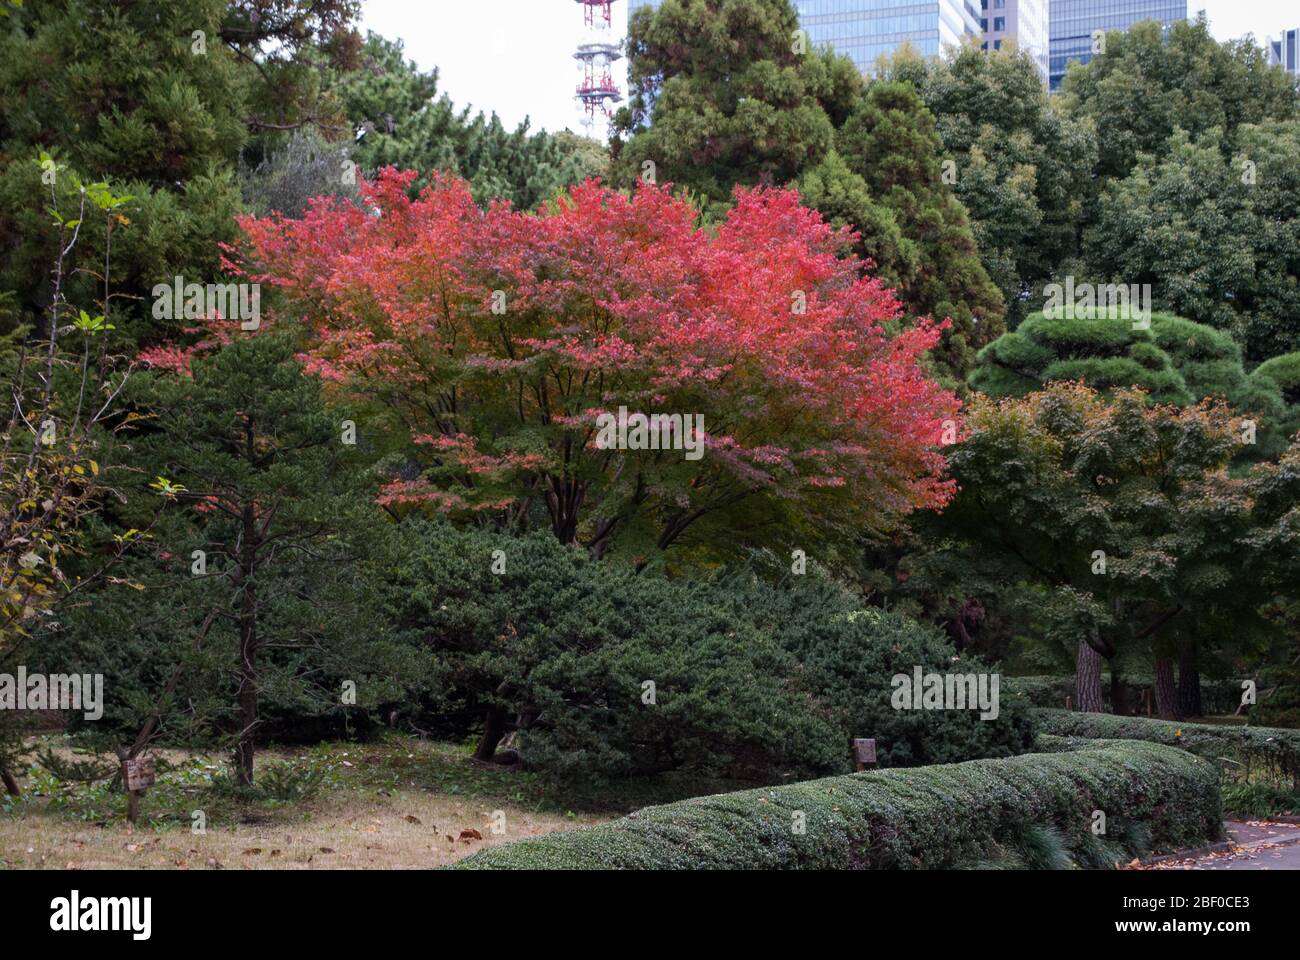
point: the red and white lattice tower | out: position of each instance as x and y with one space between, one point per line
597 53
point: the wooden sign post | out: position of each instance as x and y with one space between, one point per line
137 777
864 752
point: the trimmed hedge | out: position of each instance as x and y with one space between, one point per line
981 812
1274 748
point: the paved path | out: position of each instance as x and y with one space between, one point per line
1257 845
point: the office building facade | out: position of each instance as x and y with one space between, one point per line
1073 23
1284 52
1023 22
865 30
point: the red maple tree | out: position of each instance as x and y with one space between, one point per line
500 336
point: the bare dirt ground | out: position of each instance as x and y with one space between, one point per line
410 829
396 806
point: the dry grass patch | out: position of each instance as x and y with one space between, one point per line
396 805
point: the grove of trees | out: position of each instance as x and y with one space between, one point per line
384 498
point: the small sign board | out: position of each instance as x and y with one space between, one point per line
864 752
138 773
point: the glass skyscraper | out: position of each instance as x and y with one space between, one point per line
865 30
1073 22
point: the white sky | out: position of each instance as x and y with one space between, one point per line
515 56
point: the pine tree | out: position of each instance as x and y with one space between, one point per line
256 568
891 142
400 120
158 105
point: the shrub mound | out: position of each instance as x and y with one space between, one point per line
597 671
982 812
1272 748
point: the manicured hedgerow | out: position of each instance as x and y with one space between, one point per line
982 812
1273 748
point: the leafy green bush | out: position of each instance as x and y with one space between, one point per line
928 817
846 657
593 670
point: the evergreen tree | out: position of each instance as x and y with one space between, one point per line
401 120
1212 229
1022 168
733 95
1176 361
729 92
1153 80
255 585
159 106
891 142
137 109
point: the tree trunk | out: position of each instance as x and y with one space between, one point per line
494 728
245 748
246 697
1118 701
1166 691
1189 682
10 781
1087 680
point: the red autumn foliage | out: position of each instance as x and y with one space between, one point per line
498 336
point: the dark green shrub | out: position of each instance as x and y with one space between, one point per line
1284 373
561 651
927 817
598 671
846 657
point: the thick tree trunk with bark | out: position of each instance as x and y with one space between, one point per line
1166 690
1189 682
1087 680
